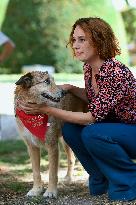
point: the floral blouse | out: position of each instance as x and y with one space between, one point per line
117 92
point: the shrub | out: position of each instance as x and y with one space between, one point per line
41 28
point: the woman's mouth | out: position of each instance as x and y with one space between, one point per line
78 53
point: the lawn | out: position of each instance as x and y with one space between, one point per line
14 159
59 77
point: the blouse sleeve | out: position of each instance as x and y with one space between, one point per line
111 91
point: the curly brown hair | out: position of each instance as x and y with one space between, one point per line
101 34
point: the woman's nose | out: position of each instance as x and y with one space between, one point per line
76 45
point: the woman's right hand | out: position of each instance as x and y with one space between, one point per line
33 108
66 87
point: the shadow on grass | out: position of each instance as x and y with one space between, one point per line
14 152
14 156
15 163
10 183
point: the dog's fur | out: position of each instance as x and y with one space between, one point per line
39 87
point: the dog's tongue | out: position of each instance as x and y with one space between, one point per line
36 124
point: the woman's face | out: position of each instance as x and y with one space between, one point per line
83 49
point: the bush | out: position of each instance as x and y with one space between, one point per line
41 28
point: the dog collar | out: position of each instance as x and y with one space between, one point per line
36 124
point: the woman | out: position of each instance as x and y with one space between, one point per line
104 138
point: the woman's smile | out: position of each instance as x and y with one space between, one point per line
78 53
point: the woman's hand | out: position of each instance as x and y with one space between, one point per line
66 87
68 116
33 108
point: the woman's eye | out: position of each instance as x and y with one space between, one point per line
73 40
81 40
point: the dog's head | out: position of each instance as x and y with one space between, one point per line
41 86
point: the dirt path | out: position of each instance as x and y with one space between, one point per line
13 190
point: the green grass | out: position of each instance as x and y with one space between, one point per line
14 153
16 186
16 170
59 77
16 165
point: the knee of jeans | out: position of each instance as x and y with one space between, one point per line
87 136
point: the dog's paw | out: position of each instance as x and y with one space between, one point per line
50 194
68 179
35 191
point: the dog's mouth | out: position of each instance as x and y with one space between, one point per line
55 99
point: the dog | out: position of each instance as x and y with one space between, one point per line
40 87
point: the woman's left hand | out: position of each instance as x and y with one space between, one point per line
33 108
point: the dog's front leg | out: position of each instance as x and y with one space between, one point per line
53 156
34 153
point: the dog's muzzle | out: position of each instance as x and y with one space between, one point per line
55 99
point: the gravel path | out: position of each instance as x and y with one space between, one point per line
73 194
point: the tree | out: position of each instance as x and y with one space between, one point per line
41 28
129 17
3 6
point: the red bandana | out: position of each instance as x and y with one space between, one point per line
36 124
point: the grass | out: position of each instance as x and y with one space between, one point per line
14 156
15 164
59 77
15 186
13 152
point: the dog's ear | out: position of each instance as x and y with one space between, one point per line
25 81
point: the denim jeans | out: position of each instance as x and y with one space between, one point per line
106 151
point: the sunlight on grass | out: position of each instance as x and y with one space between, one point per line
16 170
15 158
59 77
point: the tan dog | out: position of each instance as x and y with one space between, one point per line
39 87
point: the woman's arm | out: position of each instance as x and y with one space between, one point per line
69 116
79 92
8 48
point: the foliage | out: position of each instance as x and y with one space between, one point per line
41 28
3 6
129 17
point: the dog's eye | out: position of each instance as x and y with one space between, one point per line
47 81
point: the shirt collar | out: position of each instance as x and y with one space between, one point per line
88 66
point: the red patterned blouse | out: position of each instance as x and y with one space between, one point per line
117 92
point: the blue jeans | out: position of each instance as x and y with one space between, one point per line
106 151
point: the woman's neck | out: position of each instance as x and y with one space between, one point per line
95 65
